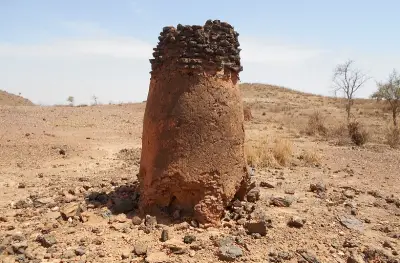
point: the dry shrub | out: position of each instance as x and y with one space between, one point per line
248 116
264 153
393 136
282 151
358 134
340 134
310 157
259 155
316 124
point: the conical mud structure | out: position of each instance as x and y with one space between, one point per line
193 135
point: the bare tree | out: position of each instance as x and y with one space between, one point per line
94 97
390 92
348 80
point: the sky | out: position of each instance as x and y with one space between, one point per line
50 50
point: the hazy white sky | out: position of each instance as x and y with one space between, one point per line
50 50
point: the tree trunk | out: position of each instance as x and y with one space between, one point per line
348 108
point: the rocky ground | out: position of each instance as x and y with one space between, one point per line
67 194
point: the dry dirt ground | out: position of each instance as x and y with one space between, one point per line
13 100
68 175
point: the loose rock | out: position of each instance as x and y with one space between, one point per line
281 201
258 227
297 222
140 249
267 184
164 235
19 246
47 240
188 239
253 195
318 187
176 246
136 220
230 252
80 251
150 221
125 254
71 210
349 194
351 222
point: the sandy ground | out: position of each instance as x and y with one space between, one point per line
66 173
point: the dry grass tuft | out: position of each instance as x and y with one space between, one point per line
259 155
263 153
358 134
316 124
340 134
310 157
282 151
393 136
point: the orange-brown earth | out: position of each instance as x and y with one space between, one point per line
68 178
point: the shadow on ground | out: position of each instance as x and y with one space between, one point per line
125 200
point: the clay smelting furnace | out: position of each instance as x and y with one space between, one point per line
193 131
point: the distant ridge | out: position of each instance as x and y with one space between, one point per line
9 99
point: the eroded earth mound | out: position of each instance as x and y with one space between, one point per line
193 135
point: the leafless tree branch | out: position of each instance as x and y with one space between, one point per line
349 80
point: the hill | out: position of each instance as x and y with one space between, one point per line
8 99
292 109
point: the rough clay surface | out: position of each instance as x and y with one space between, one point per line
193 132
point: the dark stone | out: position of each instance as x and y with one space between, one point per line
281 201
47 240
167 29
224 43
123 205
297 222
259 227
253 195
318 187
188 239
164 235
80 251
